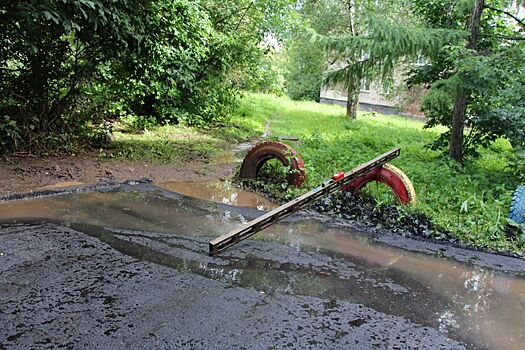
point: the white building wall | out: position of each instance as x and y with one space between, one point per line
372 96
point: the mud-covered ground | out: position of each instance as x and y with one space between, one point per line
22 174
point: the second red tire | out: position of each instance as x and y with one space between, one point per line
265 151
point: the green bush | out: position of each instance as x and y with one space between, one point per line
51 52
68 67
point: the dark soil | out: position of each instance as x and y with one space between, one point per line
361 209
367 211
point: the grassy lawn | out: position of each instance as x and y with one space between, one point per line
178 143
470 201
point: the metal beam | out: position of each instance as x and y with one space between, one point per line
333 185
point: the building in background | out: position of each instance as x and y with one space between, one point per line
374 97
371 98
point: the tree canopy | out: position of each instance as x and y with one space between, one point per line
67 67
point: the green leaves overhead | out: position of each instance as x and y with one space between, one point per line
381 48
81 15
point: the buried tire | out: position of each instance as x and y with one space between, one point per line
517 206
391 176
265 151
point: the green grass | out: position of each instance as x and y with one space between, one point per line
177 143
470 201
163 144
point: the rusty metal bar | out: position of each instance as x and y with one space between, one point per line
246 230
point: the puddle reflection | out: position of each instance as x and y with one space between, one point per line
221 192
481 307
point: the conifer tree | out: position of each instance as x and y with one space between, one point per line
478 82
376 50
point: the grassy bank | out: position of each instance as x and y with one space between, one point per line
470 201
162 144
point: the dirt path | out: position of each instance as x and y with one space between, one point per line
27 174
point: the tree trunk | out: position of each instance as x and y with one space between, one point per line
460 104
458 125
352 101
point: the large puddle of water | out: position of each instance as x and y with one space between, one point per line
484 309
220 192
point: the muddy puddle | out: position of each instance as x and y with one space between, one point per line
220 192
482 308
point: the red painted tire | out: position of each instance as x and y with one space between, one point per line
391 176
265 151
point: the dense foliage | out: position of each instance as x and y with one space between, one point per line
304 69
492 72
50 52
69 66
305 61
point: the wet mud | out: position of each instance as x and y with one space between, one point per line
128 267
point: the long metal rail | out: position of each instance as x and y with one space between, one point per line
333 185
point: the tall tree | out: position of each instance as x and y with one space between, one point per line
375 45
475 85
346 60
304 67
461 101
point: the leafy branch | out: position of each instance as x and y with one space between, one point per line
514 17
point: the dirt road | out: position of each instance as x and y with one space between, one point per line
24 174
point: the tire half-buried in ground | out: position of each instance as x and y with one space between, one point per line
391 176
263 152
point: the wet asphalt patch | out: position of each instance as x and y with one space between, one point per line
105 281
64 289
